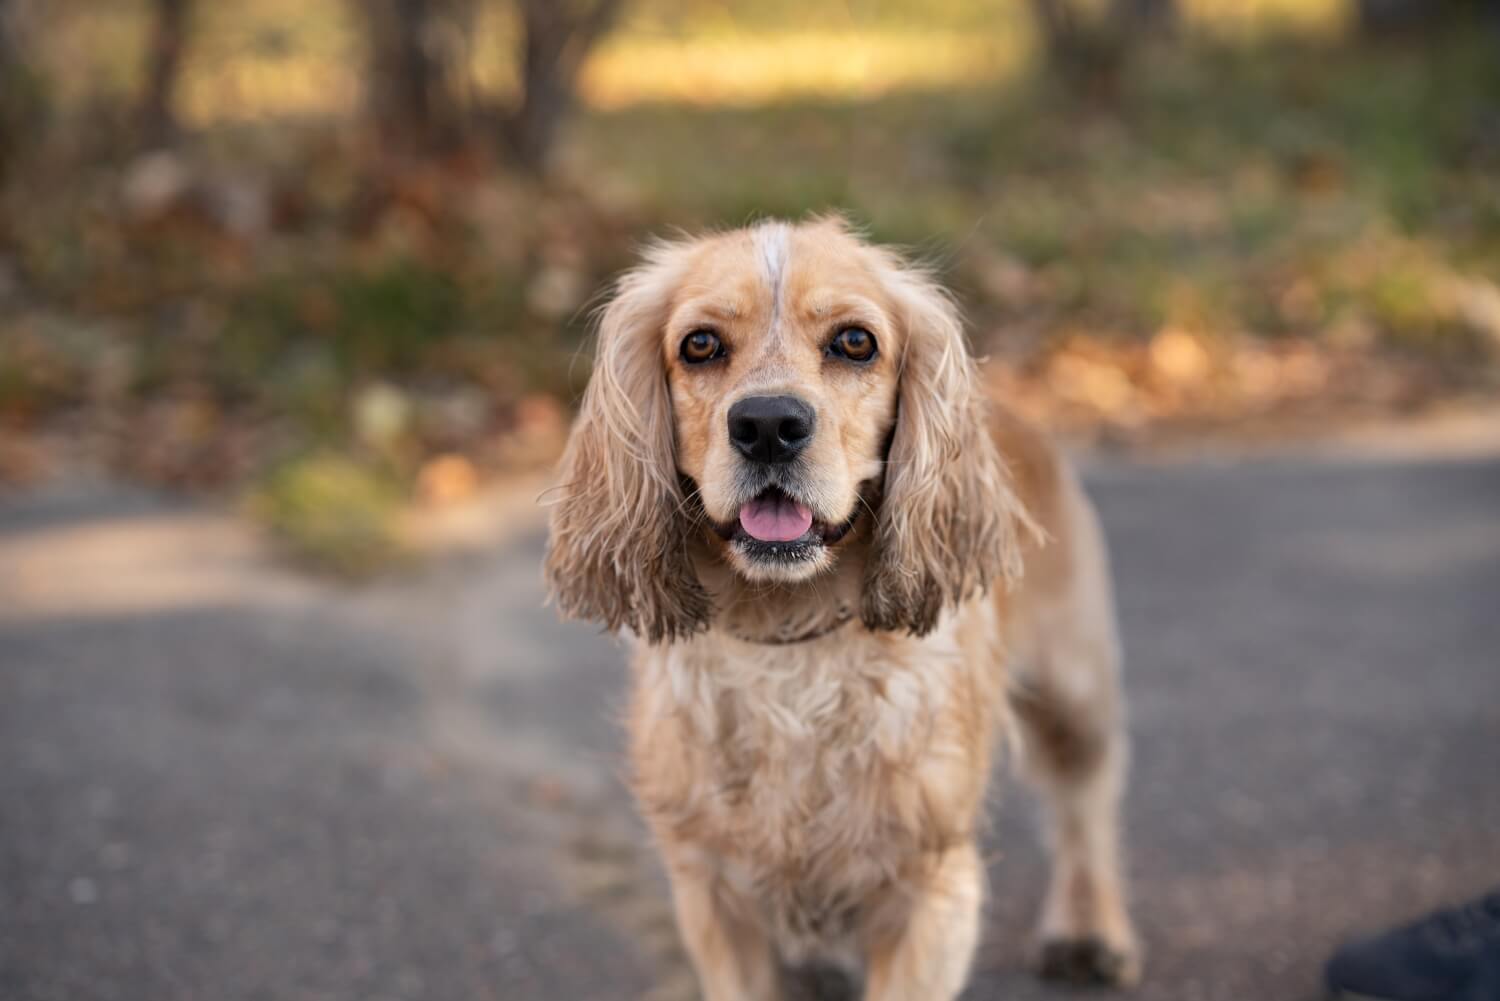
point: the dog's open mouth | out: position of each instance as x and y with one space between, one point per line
775 517
775 525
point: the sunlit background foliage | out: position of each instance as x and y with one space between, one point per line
297 249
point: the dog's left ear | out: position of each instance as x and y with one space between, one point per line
618 550
948 519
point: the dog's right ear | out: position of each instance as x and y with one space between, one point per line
949 519
618 548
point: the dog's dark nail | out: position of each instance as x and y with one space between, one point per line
1084 962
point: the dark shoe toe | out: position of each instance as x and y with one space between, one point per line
1389 969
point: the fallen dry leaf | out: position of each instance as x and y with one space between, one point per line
445 480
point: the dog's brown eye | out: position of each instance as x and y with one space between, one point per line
854 343
701 346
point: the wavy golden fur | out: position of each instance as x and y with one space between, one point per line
814 715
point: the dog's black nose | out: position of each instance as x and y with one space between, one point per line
771 429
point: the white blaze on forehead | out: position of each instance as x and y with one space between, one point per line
772 247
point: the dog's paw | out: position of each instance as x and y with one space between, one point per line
1087 962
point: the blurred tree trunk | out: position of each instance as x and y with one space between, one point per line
1395 18
417 75
1091 53
556 36
1064 27
1384 17
1058 24
11 72
21 94
1137 17
167 42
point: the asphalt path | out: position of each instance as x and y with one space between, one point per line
220 780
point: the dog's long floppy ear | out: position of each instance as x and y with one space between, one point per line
947 523
618 546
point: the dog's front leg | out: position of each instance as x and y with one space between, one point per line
730 953
929 957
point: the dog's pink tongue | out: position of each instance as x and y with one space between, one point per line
775 518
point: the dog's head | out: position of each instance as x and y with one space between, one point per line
758 395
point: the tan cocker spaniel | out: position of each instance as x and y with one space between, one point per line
849 578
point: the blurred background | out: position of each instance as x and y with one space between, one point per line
294 304
297 246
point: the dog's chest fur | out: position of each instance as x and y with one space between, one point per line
816 779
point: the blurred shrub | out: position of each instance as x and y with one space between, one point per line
332 513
